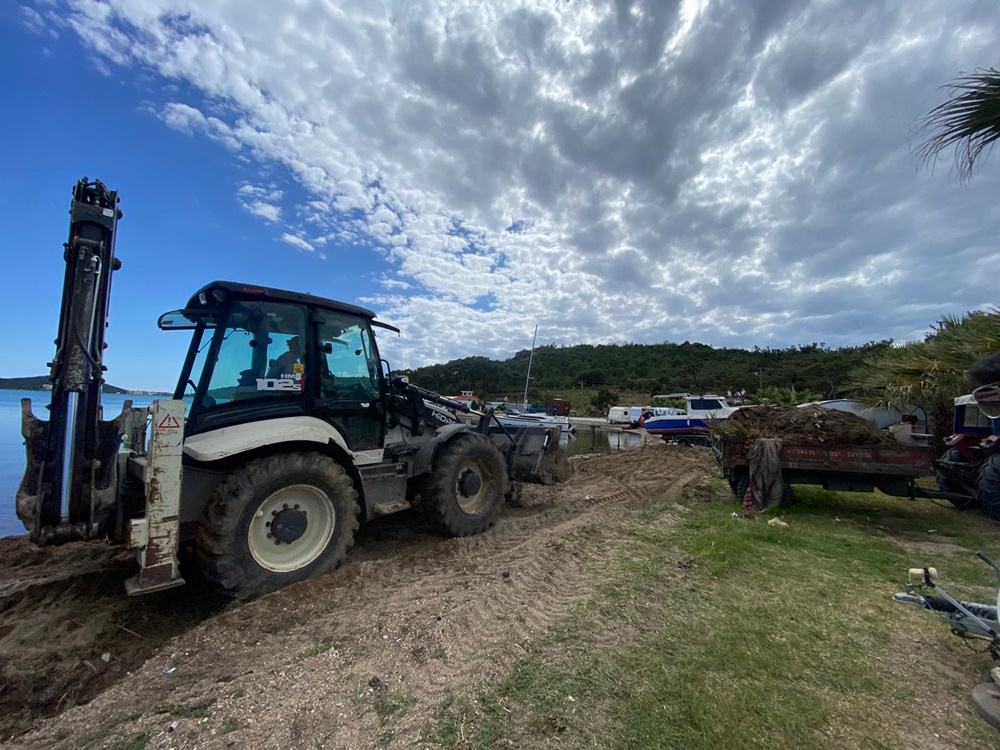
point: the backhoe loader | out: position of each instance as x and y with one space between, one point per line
285 432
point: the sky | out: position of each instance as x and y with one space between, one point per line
731 172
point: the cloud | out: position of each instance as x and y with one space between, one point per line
730 172
298 242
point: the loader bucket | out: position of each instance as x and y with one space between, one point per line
532 452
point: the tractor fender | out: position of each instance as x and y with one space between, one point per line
424 459
216 445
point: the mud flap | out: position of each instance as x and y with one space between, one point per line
532 453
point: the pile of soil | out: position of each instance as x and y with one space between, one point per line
808 424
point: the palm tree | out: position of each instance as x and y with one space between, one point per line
930 373
969 121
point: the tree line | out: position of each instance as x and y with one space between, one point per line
652 369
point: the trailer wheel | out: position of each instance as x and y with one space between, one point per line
277 520
787 493
988 492
464 493
947 483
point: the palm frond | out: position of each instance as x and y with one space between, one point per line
969 121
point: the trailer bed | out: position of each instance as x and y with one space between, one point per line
893 469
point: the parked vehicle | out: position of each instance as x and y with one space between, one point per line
286 430
618 415
970 464
968 474
892 469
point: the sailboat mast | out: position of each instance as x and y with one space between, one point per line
527 378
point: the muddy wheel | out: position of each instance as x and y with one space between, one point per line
277 520
988 492
464 493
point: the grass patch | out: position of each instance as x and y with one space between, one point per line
229 724
135 743
725 632
200 710
320 648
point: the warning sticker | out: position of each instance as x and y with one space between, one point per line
169 423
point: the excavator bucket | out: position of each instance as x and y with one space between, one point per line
533 453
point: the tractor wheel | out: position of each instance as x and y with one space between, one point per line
277 520
988 493
464 493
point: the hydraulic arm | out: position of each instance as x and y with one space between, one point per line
69 485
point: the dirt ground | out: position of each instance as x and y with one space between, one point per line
409 622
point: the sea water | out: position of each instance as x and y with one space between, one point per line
12 456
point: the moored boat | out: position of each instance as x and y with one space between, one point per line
546 420
692 422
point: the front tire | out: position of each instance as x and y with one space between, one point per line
277 520
465 491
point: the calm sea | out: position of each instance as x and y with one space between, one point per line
12 444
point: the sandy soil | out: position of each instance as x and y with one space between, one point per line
361 658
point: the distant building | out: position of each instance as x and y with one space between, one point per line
467 397
558 406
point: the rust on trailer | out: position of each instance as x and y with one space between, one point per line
902 460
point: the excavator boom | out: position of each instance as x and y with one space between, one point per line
68 489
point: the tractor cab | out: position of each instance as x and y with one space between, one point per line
258 353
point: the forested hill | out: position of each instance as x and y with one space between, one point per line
652 369
38 382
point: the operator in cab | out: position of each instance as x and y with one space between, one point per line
284 365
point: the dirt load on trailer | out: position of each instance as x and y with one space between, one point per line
837 450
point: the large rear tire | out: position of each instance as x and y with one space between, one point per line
464 493
988 492
277 520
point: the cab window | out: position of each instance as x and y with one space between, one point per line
260 354
349 367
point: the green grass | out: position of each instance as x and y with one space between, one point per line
200 710
773 638
320 648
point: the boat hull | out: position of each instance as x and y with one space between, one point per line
675 425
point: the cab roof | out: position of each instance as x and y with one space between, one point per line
252 291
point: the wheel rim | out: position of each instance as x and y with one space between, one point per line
313 518
472 487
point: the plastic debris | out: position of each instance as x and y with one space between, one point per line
777 523
171 670
106 657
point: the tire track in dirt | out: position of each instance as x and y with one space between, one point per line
363 657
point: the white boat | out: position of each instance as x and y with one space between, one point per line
691 422
548 420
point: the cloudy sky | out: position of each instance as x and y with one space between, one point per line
730 172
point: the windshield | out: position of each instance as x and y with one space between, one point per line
258 352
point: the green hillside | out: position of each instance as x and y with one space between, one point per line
652 369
